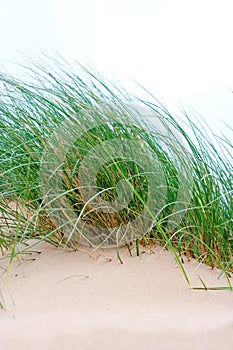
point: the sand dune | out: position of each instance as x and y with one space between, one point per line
77 300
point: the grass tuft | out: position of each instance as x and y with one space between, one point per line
157 178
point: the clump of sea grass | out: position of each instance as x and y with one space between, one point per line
51 123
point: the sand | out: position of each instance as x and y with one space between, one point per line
61 299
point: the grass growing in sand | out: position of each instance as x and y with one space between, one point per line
35 157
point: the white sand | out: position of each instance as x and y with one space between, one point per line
144 303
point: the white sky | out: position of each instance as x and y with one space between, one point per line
180 50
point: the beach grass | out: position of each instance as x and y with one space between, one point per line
160 180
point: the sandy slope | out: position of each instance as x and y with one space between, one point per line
144 303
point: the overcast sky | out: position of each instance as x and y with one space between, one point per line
180 50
